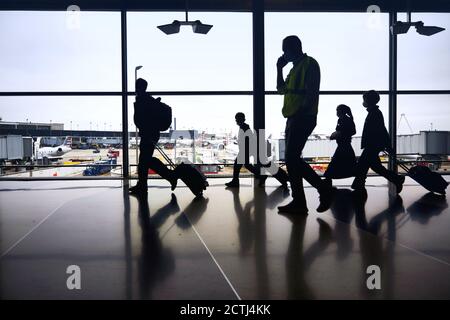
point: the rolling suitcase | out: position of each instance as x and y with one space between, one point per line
428 179
189 174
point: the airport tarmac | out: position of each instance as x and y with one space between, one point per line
84 158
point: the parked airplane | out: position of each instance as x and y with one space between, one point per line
53 153
215 144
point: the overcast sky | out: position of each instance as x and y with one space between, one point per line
41 53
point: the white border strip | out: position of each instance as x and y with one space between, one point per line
32 229
215 261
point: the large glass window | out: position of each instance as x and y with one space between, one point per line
319 149
423 61
352 48
220 60
326 118
46 51
64 135
423 120
210 121
423 123
421 112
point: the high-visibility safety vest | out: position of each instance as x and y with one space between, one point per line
294 96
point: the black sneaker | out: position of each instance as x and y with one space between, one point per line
359 195
262 181
282 177
138 191
293 207
328 182
174 204
232 184
399 184
173 183
325 197
358 186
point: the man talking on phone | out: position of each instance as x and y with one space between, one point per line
300 108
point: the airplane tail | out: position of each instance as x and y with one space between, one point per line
68 142
37 143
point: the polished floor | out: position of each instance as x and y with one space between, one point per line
232 244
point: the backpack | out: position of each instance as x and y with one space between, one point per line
165 115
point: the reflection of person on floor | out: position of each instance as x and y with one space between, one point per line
426 207
343 162
343 211
155 262
146 117
375 139
246 228
252 231
244 131
246 225
161 215
192 213
390 214
300 107
374 249
298 262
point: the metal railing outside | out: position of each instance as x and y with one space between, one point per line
120 176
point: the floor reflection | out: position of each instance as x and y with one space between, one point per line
252 233
355 237
151 248
192 213
298 260
155 262
428 206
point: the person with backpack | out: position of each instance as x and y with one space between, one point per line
375 139
150 117
343 162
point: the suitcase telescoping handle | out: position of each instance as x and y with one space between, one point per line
400 164
165 156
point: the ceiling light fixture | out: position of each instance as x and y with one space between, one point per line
402 27
174 27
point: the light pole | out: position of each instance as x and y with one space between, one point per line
136 135
135 73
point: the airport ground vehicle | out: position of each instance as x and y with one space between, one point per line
100 167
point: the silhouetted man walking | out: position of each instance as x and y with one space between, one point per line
146 118
300 107
281 176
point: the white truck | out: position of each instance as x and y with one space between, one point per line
15 149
